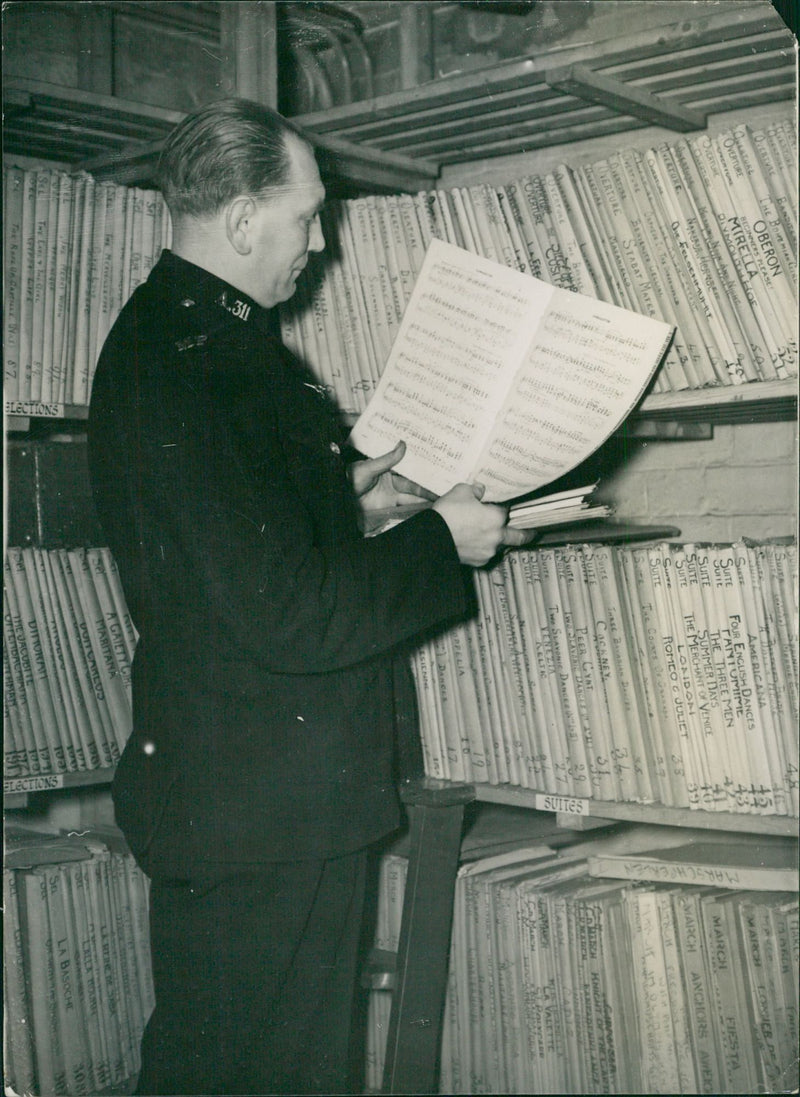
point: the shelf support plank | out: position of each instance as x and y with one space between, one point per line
585 83
340 159
370 166
415 1022
126 166
669 430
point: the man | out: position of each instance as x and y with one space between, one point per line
263 759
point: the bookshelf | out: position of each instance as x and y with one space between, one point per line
77 968
113 138
718 59
481 968
722 62
607 228
435 125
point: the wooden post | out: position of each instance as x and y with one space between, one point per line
249 50
415 1024
416 45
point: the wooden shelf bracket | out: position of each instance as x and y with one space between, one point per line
594 87
436 813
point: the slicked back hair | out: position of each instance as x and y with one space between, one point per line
230 147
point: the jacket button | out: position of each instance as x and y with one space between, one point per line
335 448
187 302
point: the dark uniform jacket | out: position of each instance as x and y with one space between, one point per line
264 680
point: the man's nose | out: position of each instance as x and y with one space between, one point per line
316 239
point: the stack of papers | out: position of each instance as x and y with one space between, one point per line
557 509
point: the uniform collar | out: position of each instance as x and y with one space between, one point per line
196 287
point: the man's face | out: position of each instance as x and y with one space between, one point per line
286 228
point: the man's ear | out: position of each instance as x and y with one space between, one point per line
239 223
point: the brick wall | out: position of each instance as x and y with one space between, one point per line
740 483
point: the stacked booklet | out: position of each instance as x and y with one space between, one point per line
558 509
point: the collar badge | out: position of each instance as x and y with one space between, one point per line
238 308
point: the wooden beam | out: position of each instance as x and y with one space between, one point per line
249 50
756 402
632 812
721 29
47 95
588 121
128 166
460 88
594 87
341 160
369 166
16 100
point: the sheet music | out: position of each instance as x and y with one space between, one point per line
580 377
498 377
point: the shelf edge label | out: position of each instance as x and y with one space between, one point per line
39 783
569 805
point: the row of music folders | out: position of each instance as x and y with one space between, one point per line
68 644
565 980
570 970
659 673
700 233
78 984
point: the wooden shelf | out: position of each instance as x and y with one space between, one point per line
50 122
571 809
754 402
48 782
741 55
121 140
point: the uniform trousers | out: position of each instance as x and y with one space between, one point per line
255 976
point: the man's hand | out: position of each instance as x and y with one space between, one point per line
478 529
378 488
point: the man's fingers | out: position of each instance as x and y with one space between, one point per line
408 487
388 460
516 537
